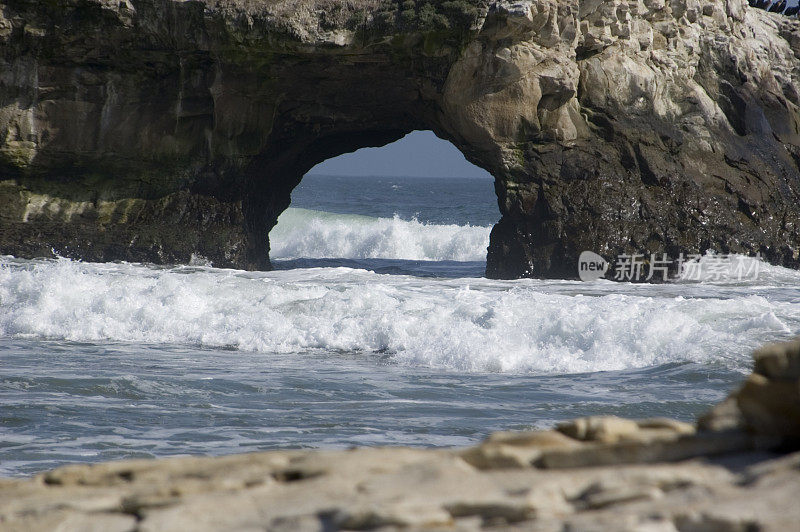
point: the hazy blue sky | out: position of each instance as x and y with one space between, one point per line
418 154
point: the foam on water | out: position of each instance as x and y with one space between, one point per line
459 324
722 269
400 347
303 233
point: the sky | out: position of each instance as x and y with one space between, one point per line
418 154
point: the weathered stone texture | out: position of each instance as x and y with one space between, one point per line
151 130
768 403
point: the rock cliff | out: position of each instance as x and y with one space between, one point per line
739 470
152 130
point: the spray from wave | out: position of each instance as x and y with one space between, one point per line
462 324
303 233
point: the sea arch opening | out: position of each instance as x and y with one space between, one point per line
413 206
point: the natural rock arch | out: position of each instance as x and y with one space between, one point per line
151 130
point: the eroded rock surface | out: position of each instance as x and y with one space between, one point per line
151 130
597 473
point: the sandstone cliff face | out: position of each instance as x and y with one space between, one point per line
663 127
151 130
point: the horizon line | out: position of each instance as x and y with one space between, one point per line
397 175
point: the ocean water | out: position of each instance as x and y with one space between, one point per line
377 327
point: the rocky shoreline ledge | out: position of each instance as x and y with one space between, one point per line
738 469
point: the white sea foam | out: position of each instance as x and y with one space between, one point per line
461 325
303 233
717 268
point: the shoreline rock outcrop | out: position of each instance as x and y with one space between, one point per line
154 130
737 470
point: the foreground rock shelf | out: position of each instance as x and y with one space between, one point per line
737 470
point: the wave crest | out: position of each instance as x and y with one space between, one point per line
462 325
303 233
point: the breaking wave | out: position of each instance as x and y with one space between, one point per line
303 233
471 325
